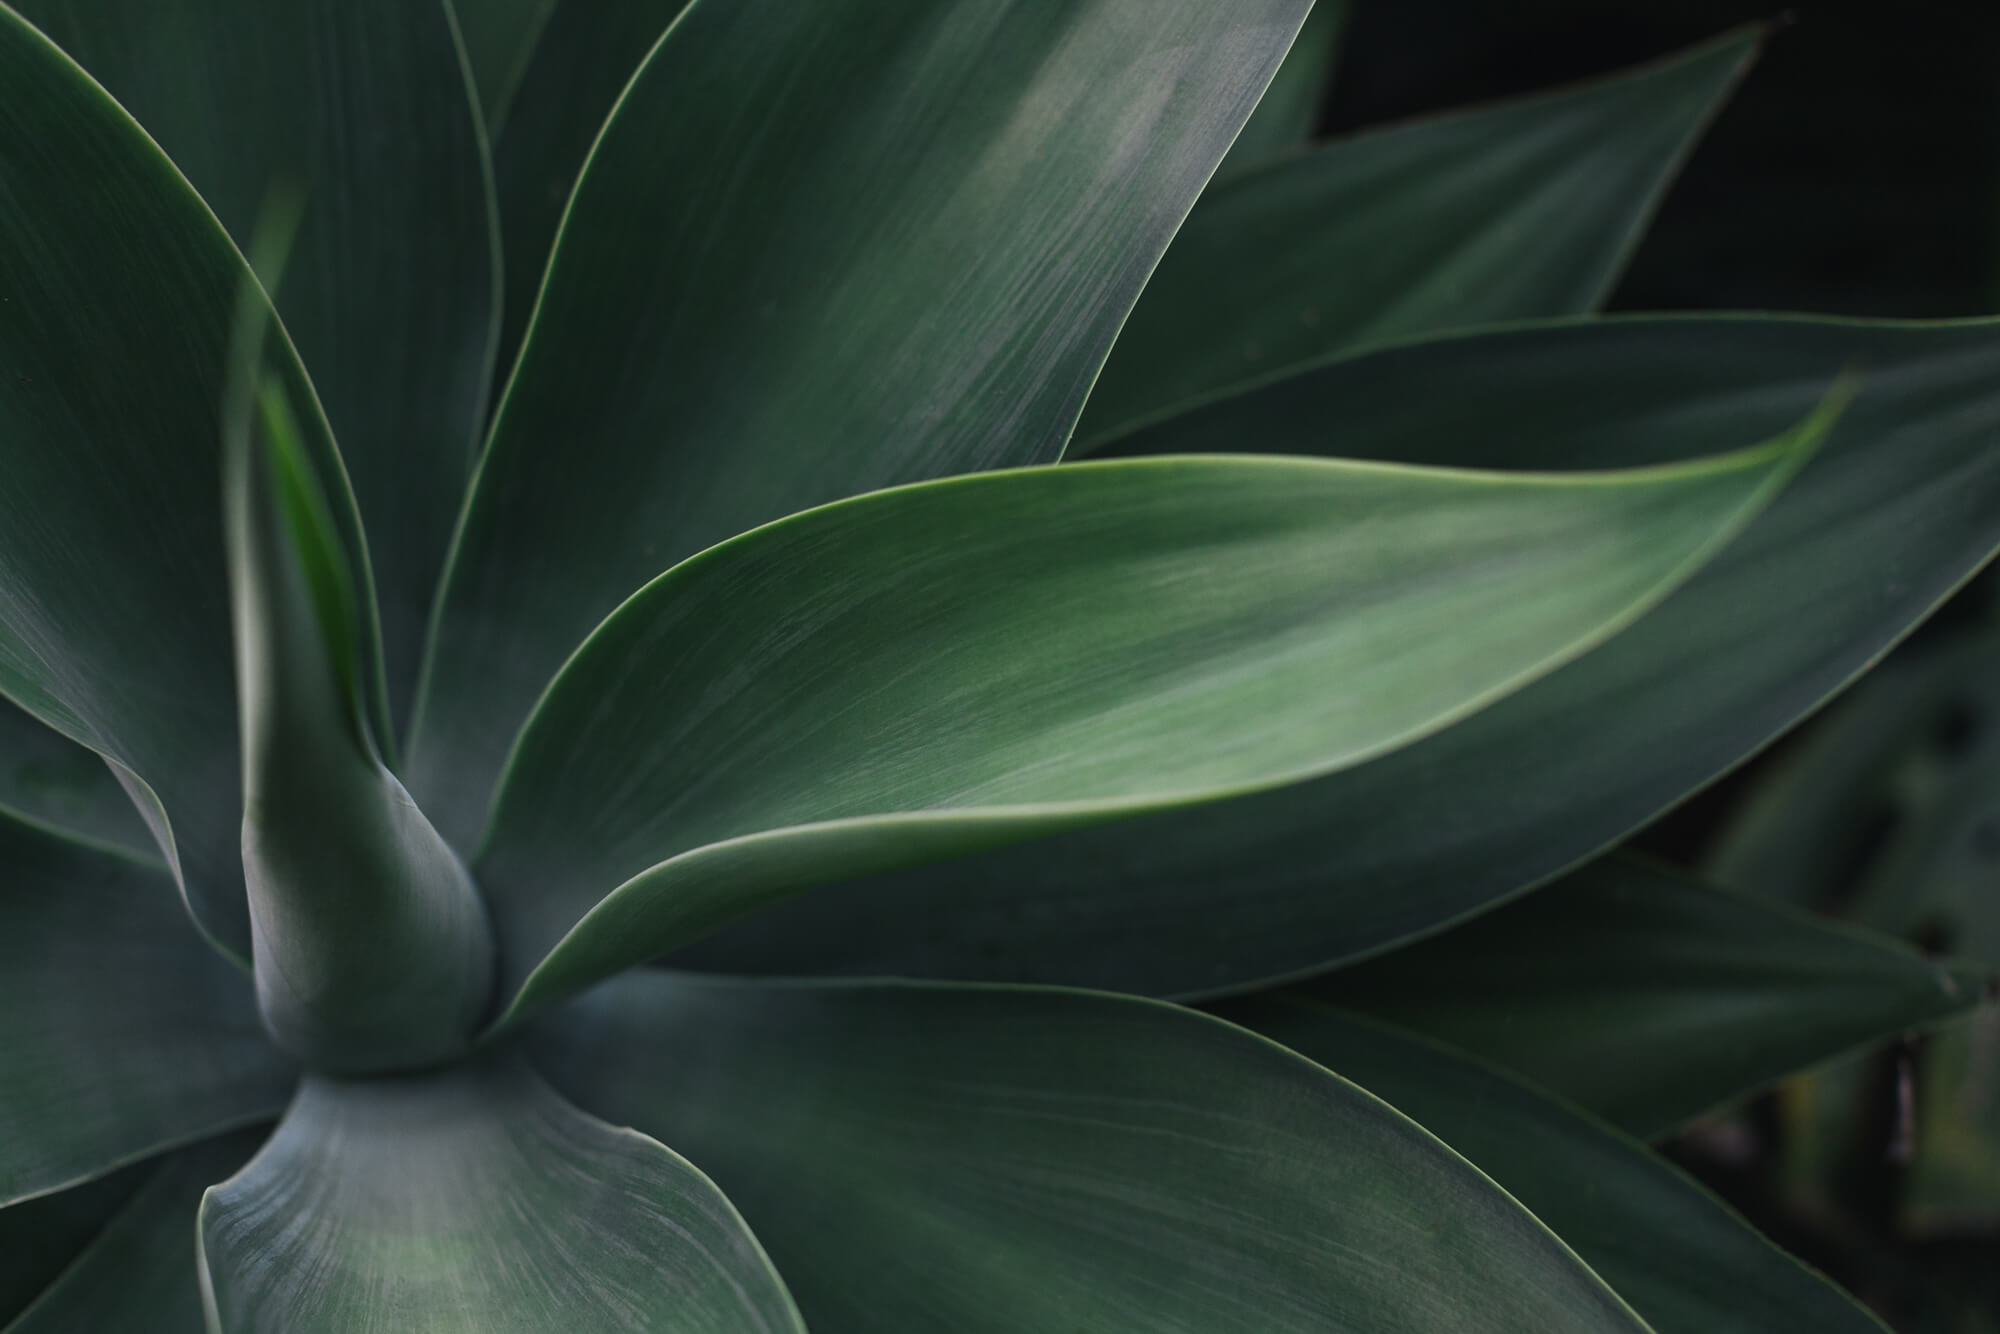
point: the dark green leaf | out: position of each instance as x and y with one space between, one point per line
39 1237
1685 1261
475 1199
371 944
1900 506
364 105
1289 109
119 299
121 1032
986 1160
1648 997
49 779
926 671
142 1273
1525 209
501 39
818 250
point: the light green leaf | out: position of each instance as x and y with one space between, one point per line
49 779
140 1273
121 1032
1649 997
978 1160
364 106
501 39
1289 109
922 672
41 1236
371 945
1525 209
679 384
1682 1258
1901 504
119 297
475 1199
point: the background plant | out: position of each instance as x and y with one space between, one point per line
1174 723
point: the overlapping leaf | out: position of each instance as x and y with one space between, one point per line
121 1032
818 250
1683 1259
1649 997
1900 506
1285 116
474 1199
991 1160
1510 212
929 670
41 1236
49 779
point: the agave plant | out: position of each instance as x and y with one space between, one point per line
815 797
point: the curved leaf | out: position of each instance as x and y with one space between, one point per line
1685 1261
474 1199
501 41
371 945
991 1160
818 250
140 1272
41 1236
1648 997
921 672
120 301
1288 111
1900 506
391 295
1525 209
49 779
121 1032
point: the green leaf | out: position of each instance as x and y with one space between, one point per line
970 193
365 106
140 1273
1901 504
1529 208
1285 116
121 1033
48 779
371 945
501 39
475 1199
119 301
582 58
1682 1258
41 1236
922 672
992 1160
1649 997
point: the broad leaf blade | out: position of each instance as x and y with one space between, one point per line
114 619
475 1199
1225 897
364 106
1510 212
1289 109
969 195
1683 1259
1649 997
121 1032
900 677
49 779
140 1272
41 1236
991 1160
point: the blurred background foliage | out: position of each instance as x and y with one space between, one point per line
1856 172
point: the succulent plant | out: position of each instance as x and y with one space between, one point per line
826 647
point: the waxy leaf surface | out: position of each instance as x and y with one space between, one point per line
1900 505
48 779
363 107
818 250
121 1032
1649 997
924 671
1287 113
947 1160
475 1199
1510 212
1683 1259
120 297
